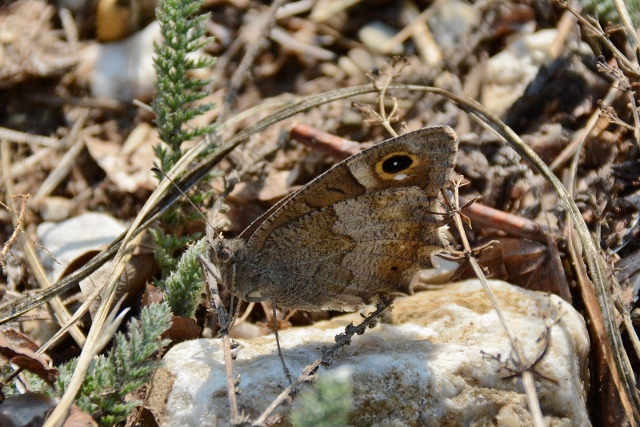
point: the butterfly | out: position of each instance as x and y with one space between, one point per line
352 236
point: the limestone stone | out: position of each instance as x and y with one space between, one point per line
438 363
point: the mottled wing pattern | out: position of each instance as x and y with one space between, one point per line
321 261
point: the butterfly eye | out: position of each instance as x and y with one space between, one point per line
396 163
223 254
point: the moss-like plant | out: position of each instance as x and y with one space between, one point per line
183 286
327 403
123 369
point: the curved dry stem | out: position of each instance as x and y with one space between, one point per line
595 263
186 175
524 368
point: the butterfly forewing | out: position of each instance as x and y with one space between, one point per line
430 150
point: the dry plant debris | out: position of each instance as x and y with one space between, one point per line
565 82
30 46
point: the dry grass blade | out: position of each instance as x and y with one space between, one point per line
212 279
630 30
25 138
18 220
66 163
223 320
580 137
406 32
99 329
291 43
590 298
241 73
324 10
31 256
628 322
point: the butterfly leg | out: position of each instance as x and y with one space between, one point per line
275 332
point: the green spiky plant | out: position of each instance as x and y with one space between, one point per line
183 31
123 369
183 285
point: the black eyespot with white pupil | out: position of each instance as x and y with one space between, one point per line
397 163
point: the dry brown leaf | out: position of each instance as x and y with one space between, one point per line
127 166
521 262
21 351
77 418
182 329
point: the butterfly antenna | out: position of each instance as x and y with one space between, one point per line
217 206
156 170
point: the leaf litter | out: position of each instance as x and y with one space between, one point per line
517 60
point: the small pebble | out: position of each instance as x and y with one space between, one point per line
452 22
376 34
55 208
361 58
509 72
349 67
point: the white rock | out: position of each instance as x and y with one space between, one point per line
433 366
453 21
70 240
376 34
124 69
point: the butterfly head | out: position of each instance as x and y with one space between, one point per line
230 256
227 253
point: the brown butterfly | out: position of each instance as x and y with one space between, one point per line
355 234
